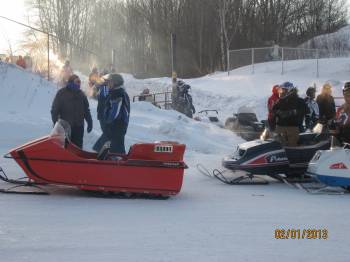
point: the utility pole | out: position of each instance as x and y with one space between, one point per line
173 68
173 58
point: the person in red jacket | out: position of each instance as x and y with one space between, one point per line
21 62
273 99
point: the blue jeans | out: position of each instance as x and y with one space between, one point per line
102 139
116 134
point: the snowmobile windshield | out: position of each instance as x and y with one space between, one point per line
318 129
61 131
245 110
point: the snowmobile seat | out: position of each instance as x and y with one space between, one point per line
307 139
213 119
104 152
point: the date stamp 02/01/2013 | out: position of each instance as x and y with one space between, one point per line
301 234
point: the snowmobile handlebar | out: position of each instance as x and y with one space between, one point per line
208 110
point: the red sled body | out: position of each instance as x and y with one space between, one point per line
150 168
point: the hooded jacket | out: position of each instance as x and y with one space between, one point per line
273 99
71 105
326 106
117 107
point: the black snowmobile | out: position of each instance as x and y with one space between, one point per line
270 158
209 116
245 124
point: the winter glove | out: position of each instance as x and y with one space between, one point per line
89 128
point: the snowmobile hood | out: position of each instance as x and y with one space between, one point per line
332 167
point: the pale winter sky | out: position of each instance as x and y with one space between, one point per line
11 33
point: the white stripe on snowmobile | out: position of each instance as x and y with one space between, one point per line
268 153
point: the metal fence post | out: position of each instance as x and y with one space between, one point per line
317 70
228 62
252 60
113 58
282 71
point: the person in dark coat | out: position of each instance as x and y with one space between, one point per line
326 104
188 106
71 105
290 111
312 117
103 91
116 113
182 100
343 116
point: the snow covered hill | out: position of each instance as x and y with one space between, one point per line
339 40
207 221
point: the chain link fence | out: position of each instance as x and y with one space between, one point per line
281 56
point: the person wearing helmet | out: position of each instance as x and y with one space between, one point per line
290 111
326 104
116 112
72 105
343 116
313 115
273 99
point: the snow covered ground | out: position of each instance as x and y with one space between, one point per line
207 221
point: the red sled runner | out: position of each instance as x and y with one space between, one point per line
154 169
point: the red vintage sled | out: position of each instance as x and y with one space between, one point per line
149 168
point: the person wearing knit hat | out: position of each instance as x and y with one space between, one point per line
71 104
326 104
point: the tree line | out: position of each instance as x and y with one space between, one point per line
139 30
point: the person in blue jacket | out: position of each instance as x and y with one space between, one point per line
102 93
116 112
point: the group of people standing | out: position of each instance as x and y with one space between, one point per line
288 115
71 105
288 112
